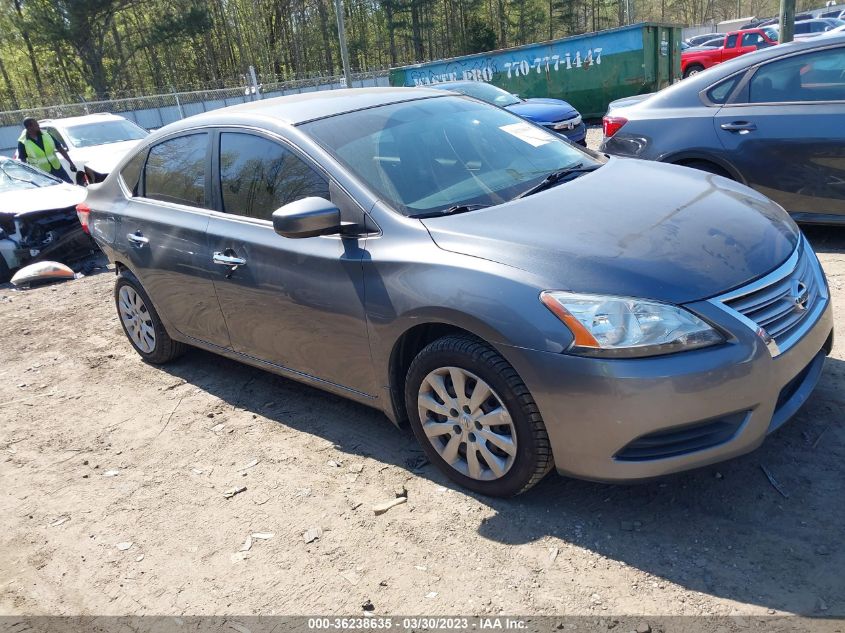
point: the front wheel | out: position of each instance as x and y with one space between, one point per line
475 418
141 322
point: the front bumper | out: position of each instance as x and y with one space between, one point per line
595 410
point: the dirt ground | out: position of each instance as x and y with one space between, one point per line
114 478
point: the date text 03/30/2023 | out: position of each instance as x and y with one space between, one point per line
416 624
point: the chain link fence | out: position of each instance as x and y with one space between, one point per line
154 111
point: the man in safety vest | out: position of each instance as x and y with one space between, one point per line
39 149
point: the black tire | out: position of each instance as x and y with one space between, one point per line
710 168
164 348
533 459
693 69
5 273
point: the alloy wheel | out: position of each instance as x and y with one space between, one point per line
467 423
136 319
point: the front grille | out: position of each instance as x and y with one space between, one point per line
785 302
682 440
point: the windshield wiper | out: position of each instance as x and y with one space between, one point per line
19 179
557 176
458 208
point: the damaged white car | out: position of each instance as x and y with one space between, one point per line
38 218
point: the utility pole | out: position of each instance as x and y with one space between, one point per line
787 21
341 34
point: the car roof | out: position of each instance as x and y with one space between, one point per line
686 92
309 106
79 120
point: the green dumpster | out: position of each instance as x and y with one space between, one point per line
589 71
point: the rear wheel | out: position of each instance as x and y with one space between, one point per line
141 322
693 69
475 418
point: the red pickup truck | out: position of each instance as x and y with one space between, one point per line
736 43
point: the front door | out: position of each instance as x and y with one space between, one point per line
295 303
785 132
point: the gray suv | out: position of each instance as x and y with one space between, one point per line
510 296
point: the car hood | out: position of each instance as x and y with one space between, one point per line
631 228
59 196
103 155
544 110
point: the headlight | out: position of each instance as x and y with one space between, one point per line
569 124
627 327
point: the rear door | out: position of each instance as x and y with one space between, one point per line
161 231
295 303
785 131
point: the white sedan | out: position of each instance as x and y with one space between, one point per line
102 138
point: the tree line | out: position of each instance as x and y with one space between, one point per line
63 51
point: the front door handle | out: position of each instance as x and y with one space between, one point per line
228 260
739 126
137 239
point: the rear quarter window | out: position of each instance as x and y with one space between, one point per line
721 91
131 172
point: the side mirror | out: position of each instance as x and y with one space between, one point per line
308 217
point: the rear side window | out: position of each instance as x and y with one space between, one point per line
731 41
131 173
257 176
815 76
175 170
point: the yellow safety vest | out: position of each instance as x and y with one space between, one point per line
45 159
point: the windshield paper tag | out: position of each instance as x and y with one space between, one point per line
528 133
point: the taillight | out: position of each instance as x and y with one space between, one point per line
612 124
83 212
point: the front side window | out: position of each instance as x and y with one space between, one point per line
815 76
257 176
430 155
175 170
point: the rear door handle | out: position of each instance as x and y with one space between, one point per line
137 239
739 126
228 260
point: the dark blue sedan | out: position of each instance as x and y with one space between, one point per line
554 114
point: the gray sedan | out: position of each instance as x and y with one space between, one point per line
471 274
773 119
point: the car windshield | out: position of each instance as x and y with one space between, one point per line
15 176
485 92
103 133
438 154
771 33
